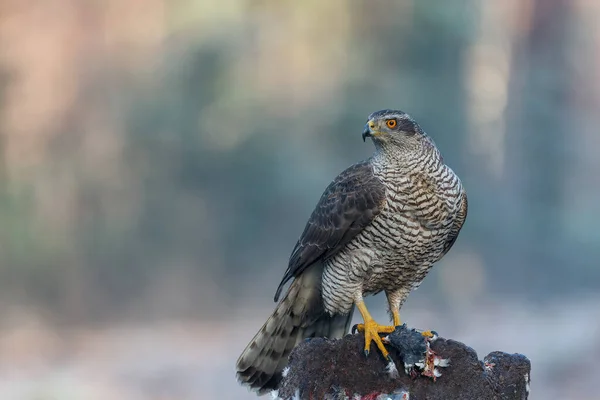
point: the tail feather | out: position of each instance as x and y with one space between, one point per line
299 315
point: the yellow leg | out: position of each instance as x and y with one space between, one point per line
397 322
372 330
396 316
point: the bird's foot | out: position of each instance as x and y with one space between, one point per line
372 329
431 335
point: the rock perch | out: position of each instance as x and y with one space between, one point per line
337 369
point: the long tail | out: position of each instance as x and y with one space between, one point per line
298 316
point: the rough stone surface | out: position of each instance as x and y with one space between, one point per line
337 369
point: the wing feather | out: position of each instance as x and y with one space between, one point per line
458 223
346 207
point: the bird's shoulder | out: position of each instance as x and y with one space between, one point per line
358 179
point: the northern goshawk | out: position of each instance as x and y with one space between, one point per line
379 226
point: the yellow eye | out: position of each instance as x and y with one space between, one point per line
391 123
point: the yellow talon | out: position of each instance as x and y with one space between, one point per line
427 334
377 327
372 329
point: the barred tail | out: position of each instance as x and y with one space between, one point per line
298 316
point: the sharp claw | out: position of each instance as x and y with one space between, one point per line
354 329
372 332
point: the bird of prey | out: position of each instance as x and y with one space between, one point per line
379 226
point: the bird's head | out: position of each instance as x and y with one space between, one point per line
393 128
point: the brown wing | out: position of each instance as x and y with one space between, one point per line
458 223
346 207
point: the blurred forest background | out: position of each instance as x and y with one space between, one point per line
158 161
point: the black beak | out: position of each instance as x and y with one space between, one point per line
366 132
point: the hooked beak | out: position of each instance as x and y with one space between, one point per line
367 131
